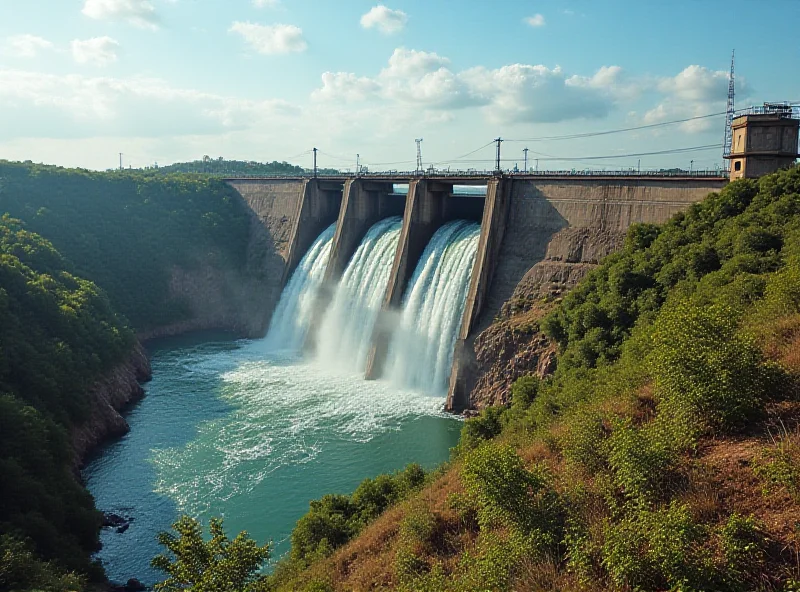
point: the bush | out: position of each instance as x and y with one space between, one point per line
640 462
477 430
657 550
706 373
744 546
506 494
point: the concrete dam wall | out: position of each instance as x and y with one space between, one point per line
533 229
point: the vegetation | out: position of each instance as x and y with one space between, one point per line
216 565
661 455
126 230
231 168
58 334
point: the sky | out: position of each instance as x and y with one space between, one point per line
163 81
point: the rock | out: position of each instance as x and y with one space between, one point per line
112 520
134 585
123 528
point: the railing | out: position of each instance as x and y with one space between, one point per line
714 173
784 110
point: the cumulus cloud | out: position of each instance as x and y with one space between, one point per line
97 51
140 13
386 20
33 105
25 46
537 20
693 92
514 93
345 86
271 39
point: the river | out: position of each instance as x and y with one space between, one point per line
229 428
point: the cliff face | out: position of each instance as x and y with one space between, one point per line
109 396
513 345
217 299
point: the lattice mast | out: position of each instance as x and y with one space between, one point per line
726 150
419 154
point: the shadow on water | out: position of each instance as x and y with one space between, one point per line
121 475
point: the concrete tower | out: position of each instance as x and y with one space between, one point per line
764 140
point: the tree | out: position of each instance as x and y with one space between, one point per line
219 565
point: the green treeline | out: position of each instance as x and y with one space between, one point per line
594 478
58 334
125 231
232 168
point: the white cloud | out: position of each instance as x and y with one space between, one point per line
25 46
140 13
386 20
266 3
98 51
537 20
345 86
694 92
696 83
271 39
514 93
33 105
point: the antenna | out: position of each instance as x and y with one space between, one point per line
730 112
120 161
525 150
497 164
419 154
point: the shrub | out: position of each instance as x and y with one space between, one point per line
707 374
506 494
640 462
779 465
744 547
657 550
583 444
478 429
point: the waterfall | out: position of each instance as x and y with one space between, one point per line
346 333
292 316
421 348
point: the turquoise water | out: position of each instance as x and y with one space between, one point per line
229 429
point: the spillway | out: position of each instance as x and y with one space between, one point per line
346 332
421 347
292 316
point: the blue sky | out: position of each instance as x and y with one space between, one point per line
169 80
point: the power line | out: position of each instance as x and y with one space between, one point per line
610 156
618 131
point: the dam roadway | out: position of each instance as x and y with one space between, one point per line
562 224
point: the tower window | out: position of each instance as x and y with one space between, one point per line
737 166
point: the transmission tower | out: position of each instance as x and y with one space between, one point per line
730 111
419 154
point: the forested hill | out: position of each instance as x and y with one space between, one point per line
662 454
127 231
58 335
232 168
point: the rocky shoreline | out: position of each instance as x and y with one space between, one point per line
110 395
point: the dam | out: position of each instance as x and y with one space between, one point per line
399 283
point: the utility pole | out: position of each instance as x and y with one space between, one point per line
120 161
537 165
497 163
691 167
639 167
419 154
525 150
315 163
358 168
